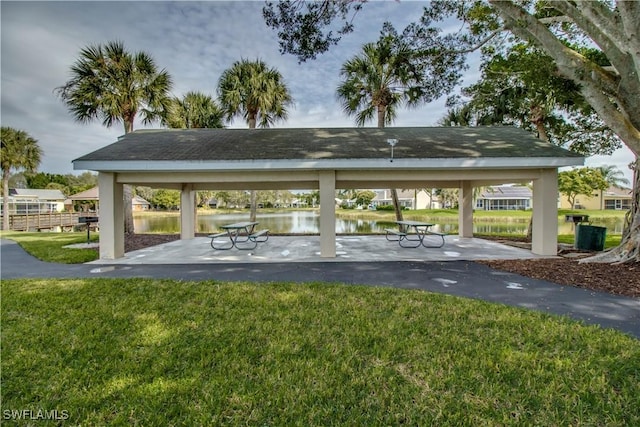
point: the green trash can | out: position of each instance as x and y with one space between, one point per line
590 237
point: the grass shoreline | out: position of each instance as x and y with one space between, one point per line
433 214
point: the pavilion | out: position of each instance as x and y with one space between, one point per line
328 159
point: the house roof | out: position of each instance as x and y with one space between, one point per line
137 200
506 192
90 194
617 191
325 148
39 194
385 194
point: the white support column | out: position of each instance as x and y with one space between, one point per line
465 210
327 214
544 240
187 212
111 216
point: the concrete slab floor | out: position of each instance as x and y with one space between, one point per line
307 249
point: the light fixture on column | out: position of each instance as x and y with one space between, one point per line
392 142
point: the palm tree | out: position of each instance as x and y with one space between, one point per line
18 151
258 94
194 111
614 178
114 85
457 116
613 175
384 76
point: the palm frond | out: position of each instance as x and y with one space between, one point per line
109 83
254 91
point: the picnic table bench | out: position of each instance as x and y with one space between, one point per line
413 234
242 235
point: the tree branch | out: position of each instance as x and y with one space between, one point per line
481 42
599 23
598 86
620 44
630 15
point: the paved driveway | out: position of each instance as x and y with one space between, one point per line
455 277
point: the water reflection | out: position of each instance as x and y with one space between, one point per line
302 222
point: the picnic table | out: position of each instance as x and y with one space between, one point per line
242 235
413 234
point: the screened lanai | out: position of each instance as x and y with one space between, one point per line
327 159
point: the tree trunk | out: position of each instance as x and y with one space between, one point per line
629 248
128 210
254 205
195 215
382 109
253 195
381 115
127 189
537 118
5 199
396 204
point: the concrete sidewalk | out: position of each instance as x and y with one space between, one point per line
463 278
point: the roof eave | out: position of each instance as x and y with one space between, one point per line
325 164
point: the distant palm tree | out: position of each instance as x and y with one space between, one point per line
457 117
114 85
258 94
613 176
376 82
195 110
18 151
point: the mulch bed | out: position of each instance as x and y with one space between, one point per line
622 279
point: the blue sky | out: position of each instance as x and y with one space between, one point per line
195 42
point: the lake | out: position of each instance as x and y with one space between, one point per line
302 222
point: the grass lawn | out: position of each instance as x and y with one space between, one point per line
145 352
480 215
50 246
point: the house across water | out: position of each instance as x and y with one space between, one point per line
24 201
613 198
504 197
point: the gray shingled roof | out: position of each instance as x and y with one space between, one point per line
39 194
506 192
90 194
325 144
